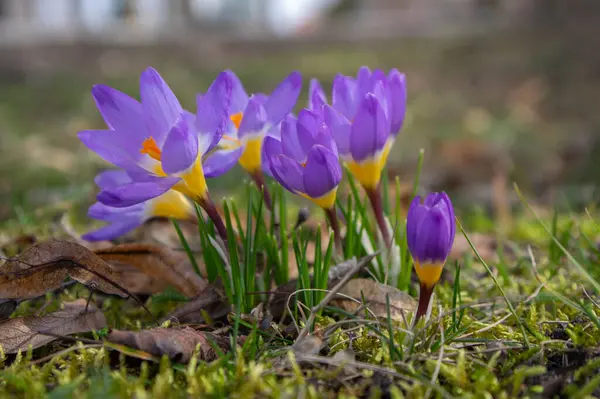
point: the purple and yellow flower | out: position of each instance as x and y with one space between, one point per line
170 204
253 117
365 115
305 161
430 231
159 144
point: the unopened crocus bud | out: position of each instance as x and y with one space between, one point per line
430 230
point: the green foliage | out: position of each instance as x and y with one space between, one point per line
497 327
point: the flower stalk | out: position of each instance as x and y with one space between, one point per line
376 204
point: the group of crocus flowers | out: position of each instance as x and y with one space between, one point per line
165 153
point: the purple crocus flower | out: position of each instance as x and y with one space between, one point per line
430 230
365 115
158 143
122 220
305 161
253 117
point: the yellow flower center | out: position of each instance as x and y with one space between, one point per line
368 172
326 201
429 273
251 157
172 204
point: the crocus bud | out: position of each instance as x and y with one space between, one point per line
430 230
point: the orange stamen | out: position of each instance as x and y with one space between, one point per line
149 147
237 119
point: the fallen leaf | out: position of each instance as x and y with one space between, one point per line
178 344
160 263
374 295
137 282
211 303
43 267
18 333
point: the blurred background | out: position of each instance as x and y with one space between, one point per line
499 90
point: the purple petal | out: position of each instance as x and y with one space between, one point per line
416 211
363 81
290 142
136 192
339 127
254 118
397 106
99 211
160 106
432 238
443 203
325 138
343 97
322 172
307 128
316 95
213 111
113 146
140 175
112 178
284 97
180 150
270 148
113 230
221 161
261 98
380 91
432 200
370 129
239 97
377 76
288 173
120 112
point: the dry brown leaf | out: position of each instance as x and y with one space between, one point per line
211 302
374 294
43 267
161 263
178 344
137 282
18 333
